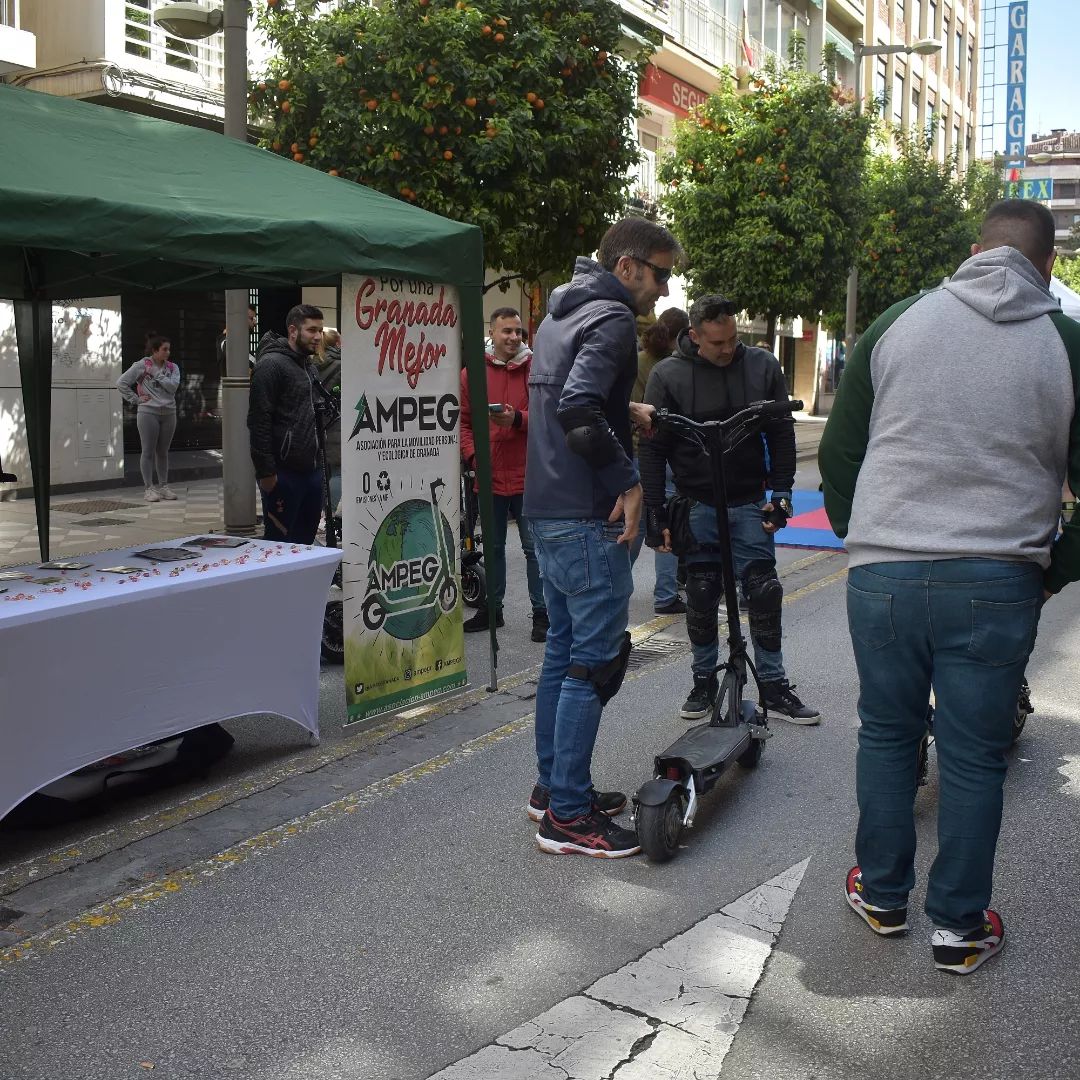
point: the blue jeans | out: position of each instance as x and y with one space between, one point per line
964 627
749 541
292 510
587 585
666 565
507 506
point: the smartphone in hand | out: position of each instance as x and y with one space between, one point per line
496 408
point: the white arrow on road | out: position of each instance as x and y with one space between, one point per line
672 1015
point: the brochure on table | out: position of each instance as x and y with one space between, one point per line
401 351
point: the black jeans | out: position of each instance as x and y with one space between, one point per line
291 512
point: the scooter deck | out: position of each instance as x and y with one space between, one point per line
704 746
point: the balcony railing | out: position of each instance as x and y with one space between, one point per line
188 61
696 27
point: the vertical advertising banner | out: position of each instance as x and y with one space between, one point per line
400 465
1016 104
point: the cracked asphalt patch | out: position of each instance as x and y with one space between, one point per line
670 1015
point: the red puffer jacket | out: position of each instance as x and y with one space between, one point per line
506 384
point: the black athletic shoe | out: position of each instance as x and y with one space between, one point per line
702 698
593 834
781 698
607 802
480 621
540 625
883 921
672 607
963 953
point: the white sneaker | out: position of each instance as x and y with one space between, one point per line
167 493
151 495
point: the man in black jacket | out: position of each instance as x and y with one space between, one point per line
711 376
281 419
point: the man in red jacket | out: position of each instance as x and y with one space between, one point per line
507 364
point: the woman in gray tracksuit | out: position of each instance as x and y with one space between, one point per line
151 384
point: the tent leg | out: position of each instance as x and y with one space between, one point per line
33 336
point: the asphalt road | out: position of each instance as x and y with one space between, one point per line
387 914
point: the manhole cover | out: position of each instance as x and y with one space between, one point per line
649 651
106 521
94 506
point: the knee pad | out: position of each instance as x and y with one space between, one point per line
764 597
704 588
605 678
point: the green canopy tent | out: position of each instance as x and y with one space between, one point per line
97 201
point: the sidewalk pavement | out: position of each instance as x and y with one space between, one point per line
99 519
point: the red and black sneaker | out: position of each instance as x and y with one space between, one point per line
883 921
593 834
607 802
963 953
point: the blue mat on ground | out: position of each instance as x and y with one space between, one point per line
809 527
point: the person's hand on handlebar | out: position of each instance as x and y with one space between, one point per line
775 513
628 506
657 533
641 416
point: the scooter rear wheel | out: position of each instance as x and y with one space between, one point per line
333 636
659 828
749 758
474 586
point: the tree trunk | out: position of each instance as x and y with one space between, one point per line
770 330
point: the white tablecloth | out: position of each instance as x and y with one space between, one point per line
98 664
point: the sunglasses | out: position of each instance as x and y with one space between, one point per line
661 273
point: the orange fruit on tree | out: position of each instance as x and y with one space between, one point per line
493 101
372 104
395 95
448 155
758 160
470 102
298 157
500 38
275 146
295 148
567 72
395 155
486 31
491 132
339 60
286 106
530 97
500 22
262 86
313 141
580 230
432 80
601 56
538 103
457 131
443 130
429 130
333 172
284 84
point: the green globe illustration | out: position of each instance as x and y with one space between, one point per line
406 570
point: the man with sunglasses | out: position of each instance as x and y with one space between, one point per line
711 376
583 500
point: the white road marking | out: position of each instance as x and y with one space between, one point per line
672 1015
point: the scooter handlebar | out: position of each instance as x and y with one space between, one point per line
758 410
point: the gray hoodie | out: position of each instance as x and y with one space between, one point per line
962 400
152 388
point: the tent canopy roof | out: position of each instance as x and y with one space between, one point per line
99 201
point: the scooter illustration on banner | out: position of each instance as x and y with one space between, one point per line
408 585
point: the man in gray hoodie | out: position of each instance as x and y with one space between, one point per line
583 502
942 463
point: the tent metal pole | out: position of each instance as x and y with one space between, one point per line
33 336
238 472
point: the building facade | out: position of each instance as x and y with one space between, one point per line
1056 157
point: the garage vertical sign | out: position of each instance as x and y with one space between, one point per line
1016 107
401 364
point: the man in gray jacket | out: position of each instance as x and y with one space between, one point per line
281 421
583 502
942 461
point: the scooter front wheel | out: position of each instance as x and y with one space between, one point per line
474 586
660 827
333 636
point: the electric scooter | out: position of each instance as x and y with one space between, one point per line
738 728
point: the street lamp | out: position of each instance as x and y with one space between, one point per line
193 22
925 47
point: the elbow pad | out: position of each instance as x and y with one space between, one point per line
589 435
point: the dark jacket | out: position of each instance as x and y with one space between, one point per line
281 412
584 357
329 374
686 384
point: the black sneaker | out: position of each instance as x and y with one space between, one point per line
480 621
607 802
963 953
540 625
593 834
883 921
702 698
780 697
672 607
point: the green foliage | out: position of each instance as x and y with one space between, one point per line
509 114
766 189
1067 270
921 220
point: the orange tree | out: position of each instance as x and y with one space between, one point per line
920 221
766 191
510 114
